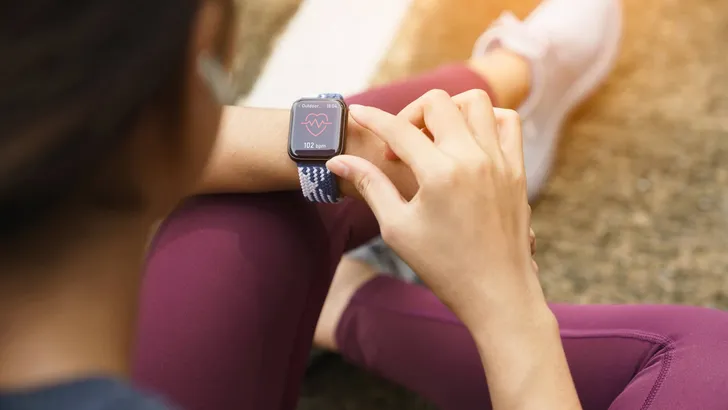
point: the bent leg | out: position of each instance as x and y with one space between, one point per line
234 283
233 288
621 357
679 355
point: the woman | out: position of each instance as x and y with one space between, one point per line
401 332
107 125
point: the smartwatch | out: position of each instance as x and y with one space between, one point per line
316 134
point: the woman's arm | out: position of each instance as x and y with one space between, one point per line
520 346
467 236
251 155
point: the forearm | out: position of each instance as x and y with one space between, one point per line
251 155
523 358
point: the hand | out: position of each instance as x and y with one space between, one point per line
466 230
361 142
391 157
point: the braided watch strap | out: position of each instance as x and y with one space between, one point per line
318 183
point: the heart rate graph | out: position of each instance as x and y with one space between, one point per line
316 123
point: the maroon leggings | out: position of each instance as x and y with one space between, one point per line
235 283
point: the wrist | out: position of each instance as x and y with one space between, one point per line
525 362
514 305
512 330
512 320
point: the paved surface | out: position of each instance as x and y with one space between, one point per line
637 208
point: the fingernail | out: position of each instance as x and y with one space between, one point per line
338 167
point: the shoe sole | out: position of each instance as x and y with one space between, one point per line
582 89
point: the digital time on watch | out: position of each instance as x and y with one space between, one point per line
317 134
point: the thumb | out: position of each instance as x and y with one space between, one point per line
377 190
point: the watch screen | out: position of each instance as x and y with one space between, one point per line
316 129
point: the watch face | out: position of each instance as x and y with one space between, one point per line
317 129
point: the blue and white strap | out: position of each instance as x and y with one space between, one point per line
317 182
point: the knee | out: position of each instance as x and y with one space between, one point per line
237 209
246 216
242 229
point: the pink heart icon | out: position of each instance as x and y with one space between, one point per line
316 123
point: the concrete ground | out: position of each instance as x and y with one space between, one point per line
637 206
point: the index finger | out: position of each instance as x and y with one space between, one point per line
407 142
440 115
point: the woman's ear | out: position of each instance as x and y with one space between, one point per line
202 110
179 167
213 31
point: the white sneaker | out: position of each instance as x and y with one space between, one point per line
383 259
572 46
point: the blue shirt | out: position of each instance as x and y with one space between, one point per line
86 394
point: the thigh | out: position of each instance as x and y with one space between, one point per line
232 290
393 97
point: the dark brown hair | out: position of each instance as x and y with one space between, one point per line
74 77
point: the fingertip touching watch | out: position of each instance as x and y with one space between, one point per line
317 134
